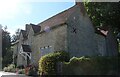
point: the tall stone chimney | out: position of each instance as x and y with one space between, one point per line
0 47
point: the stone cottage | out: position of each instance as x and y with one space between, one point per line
70 31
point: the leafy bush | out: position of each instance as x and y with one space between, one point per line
47 63
20 66
5 69
91 66
10 68
33 71
21 71
75 60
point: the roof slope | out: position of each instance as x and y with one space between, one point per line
57 19
35 28
24 34
62 17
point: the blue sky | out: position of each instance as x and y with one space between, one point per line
16 14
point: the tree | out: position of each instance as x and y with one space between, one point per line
15 36
6 48
104 14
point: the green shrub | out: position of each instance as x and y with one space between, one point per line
47 63
62 56
20 67
21 71
5 69
33 71
75 60
91 66
10 68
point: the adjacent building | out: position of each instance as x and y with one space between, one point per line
70 31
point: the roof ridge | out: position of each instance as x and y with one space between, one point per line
56 15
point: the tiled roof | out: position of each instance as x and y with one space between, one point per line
36 28
26 48
57 19
24 34
62 17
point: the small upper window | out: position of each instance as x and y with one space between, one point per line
74 30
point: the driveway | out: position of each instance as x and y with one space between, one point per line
2 73
8 74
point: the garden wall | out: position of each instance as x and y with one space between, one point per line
91 66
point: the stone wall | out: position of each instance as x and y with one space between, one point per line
49 41
20 59
31 39
81 36
15 48
111 43
101 44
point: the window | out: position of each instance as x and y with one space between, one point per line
74 30
45 50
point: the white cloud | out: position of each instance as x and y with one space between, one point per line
9 9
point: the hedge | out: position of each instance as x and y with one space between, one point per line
10 68
47 63
91 66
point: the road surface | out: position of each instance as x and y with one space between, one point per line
2 73
8 74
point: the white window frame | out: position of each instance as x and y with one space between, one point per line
25 54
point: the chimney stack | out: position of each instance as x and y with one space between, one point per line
81 5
